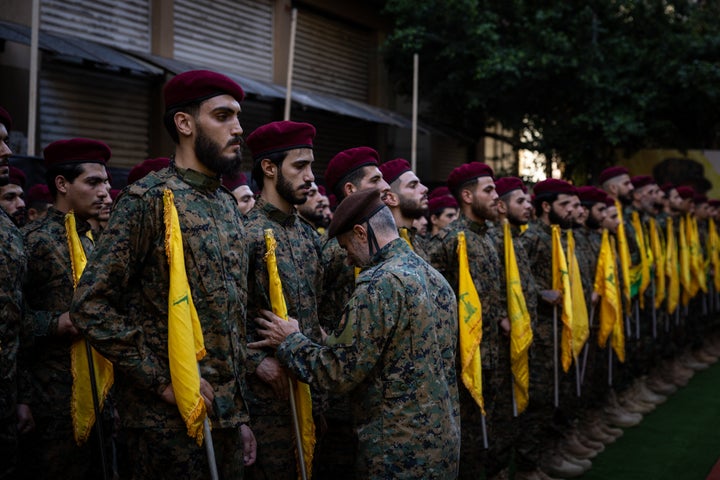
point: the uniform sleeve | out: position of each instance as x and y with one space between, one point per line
100 307
348 357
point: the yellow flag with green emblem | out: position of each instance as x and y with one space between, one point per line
606 285
672 265
644 260
470 326
561 282
82 408
659 256
696 256
521 334
714 249
300 390
624 256
185 338
580 328
685 267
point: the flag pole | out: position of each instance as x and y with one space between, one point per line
587 345
637 319
413 140
291 62
556 373
654 311
96 407
484 431
610 363
296 426
209 447
514 400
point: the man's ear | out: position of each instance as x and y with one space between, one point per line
466 196
269 169
184 123
360 231
61 184
546 207
391 199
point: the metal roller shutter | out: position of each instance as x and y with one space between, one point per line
332 57
226 34
123 24
447 154
75 102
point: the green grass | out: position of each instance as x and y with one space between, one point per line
680 440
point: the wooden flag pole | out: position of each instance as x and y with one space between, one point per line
291 62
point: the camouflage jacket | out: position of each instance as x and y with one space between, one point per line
587 261
121 303
419 244
396 355
13 265
298 260
48 293
485 269
338 284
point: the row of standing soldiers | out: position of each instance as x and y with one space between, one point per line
555 422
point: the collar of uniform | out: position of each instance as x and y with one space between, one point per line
196 179
480 228
275 214
390 249
56 215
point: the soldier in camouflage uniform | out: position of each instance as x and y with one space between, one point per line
514 208
121 303
348 172
394 352
474 189
407 200
15 415
283 156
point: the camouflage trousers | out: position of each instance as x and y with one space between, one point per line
275 448
159 453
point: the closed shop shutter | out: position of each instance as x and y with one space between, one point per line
447 154
123 24
332 57
76 102
226 34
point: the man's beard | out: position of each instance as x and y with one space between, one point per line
209 154
556 219
626 200
592 222
311 215
19 218
515 220
286 191
484 212
411 210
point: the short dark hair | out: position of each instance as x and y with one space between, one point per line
257 174
549 197
456 191
69 170
354 177
192 108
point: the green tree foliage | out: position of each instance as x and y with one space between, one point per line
584 78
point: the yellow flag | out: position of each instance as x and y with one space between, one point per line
624 255
82 407
672 268
470 326
561 282
523 228
606 285
685 269
300 390
659 256
405 236
521 334
714 249
185 337
580 328
644 260
696 256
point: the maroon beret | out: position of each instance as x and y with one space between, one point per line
392 169
355 210
685 192
76 150
714 202
554 185
114 192
590 194
332 199
439 192
612 172
199 85
38 193
280 136
5 119
438 204
667 187
640 181
347 162
700 198
17 177
322 191
467 172
508 184
231 182
146 166
610 202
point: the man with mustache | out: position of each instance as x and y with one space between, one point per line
238 186
407 200
78 182
312 210
283 157
121 302
12 197
15 416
